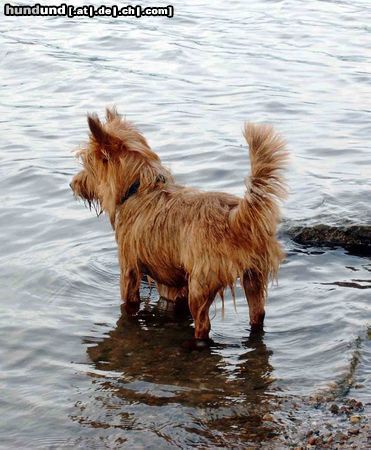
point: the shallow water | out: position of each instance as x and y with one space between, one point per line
77 372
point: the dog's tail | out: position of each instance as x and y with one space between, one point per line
265 187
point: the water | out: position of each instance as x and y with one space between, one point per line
78 373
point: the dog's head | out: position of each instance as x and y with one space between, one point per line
116 157
83 186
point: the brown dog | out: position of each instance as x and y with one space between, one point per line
194 244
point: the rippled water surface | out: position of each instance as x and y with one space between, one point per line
76 372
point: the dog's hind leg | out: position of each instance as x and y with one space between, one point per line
129 286
255 287
200 298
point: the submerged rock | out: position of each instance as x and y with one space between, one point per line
355 238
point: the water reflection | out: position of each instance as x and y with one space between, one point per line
143 362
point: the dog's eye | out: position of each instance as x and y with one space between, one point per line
105 160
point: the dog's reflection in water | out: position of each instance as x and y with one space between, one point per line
153 366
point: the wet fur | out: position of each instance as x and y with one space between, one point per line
194 244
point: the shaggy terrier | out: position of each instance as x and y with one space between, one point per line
194 244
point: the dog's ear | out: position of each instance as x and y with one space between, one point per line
111 114
97 130
108 145
116 139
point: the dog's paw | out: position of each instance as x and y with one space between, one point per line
198 344
132 308
257 328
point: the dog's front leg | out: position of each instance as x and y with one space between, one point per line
172 293
129 286
255 287
200 297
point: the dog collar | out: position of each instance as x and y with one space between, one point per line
133 189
